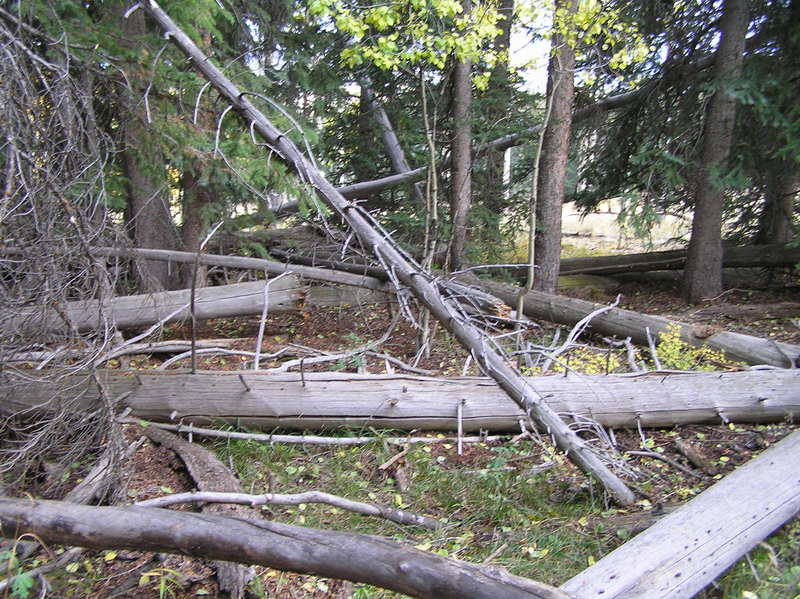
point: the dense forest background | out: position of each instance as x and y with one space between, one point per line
680 108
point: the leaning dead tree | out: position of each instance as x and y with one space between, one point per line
406 275
52 203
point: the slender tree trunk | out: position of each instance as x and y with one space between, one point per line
460 149
775 222
703 274
555 151
196 198
148 218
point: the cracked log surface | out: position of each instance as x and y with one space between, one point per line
686 550
334 400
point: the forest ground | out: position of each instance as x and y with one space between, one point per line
513 502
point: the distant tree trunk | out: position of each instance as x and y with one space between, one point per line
703 273
148 218
498 96
775 222
460 149
555 151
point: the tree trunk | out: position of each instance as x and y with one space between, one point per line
776 222
555 153
210 474
460 149
703 274
148 219
329 554
196 199
333 400
688 549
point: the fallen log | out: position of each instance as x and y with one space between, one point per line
686 550
772 255
625 323
286 294
373 289
348 556
333 400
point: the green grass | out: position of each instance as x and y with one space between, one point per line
484 507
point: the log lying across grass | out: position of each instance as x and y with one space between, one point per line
687 549
333 400
626 323
348 556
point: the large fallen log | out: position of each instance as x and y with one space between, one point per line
333 400
625 323
776 254
685 551
286 294
348 556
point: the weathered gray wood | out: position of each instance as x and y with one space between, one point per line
285 295
424 288
686 550
332 400
625 323
348 556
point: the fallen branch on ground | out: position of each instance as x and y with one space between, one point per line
358 507
306 439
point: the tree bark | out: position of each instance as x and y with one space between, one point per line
688 549
332 400
426 289
460 150
347 556
555 153
196 198
703 274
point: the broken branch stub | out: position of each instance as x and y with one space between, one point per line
419 282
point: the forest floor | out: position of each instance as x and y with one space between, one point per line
513 503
